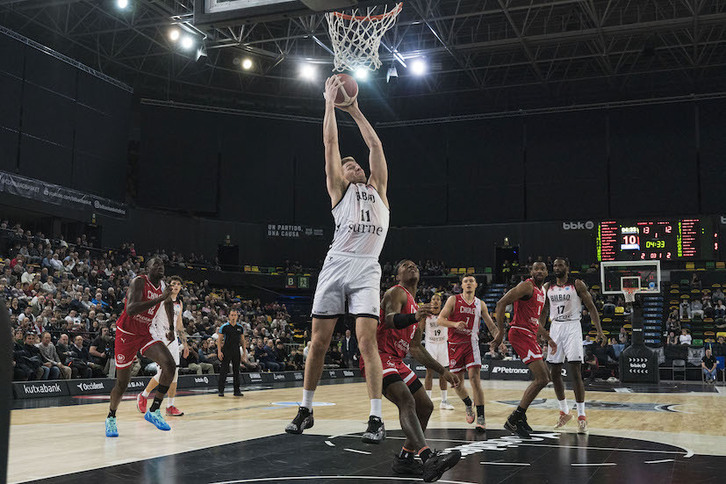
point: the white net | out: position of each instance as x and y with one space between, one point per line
629 293
357 36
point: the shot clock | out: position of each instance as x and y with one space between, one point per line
670 239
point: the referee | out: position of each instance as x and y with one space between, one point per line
231 338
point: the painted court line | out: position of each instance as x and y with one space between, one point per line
595 465
659 461
358 451
319 478
329 443
505 463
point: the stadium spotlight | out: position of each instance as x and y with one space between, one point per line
391 74
201 52
174 34
247 64
187 42
308 71
122 4
361 73
419 67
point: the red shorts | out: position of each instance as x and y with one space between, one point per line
127 345
463 356
393 365
525 344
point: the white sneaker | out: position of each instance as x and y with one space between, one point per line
445 405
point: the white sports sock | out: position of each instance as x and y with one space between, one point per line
444 394
564 408
376 407
428 392
145 394
307 400
169 402
580 409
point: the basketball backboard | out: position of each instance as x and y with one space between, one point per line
641 276
222 13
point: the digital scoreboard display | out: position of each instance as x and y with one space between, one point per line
692 238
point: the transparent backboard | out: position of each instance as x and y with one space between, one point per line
641 276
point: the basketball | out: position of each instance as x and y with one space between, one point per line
347 92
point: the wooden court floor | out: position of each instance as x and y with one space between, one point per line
56 441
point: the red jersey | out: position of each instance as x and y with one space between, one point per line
140 323
468 313
392 341
526 312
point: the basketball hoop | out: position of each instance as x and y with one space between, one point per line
629 293
356 38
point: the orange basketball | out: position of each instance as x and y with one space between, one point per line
347 92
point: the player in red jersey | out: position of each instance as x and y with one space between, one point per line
528 298
143 300
462 314
399 332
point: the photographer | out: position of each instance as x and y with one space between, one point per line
102 350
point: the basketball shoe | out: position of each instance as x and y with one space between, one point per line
141 403
445 405
303 420
406 466
582 425
514 425
562 420
111 429
376 431
469 414
481 425
157 419
173 411
438 463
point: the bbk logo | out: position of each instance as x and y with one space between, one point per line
278 376
589 225
201 380
298 376
348 373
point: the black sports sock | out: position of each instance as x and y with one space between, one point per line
406 454
111 413
160 394
425 454
156 405
480 410
467 401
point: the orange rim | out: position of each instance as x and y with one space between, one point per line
361 18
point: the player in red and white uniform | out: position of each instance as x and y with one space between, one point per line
565 298
436 339
399 333
462 315
528 298
170 332
143 300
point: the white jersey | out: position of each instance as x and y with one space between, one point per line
160 325
435 334
565 304
361 222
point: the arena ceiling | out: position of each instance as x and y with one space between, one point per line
482 54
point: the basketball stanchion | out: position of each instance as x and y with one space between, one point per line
6 377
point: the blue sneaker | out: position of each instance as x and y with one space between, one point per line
111 429
156 418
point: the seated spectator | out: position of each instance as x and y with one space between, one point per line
695 281
708 365
50 355
718 295
266 360
719 347
590 366
720 310
685 309
608 309
708 309
334 356
296 360
282 355
30 351
623 336
685 338
673 325
672 338
697 309
208 354
80 358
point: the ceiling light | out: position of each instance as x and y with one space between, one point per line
419 67
361 73
247 64
174 35
122 4
308 71
187 42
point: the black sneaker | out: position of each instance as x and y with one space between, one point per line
303 420
439 463
407 467
238 394
376 431
525 424
220 394
514 425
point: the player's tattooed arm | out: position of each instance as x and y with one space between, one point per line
393 302
136 304
521 290
586 298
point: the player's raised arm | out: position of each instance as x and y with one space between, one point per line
136 304
586 298
377 159
334 179
523 289
446 312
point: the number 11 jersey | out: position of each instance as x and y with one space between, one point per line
361 222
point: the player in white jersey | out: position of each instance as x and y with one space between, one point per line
565 298
351 271
168 332
438 347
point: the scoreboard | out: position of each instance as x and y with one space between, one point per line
671 239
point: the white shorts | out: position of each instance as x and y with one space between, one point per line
355 279
440 352
568 336
174 349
